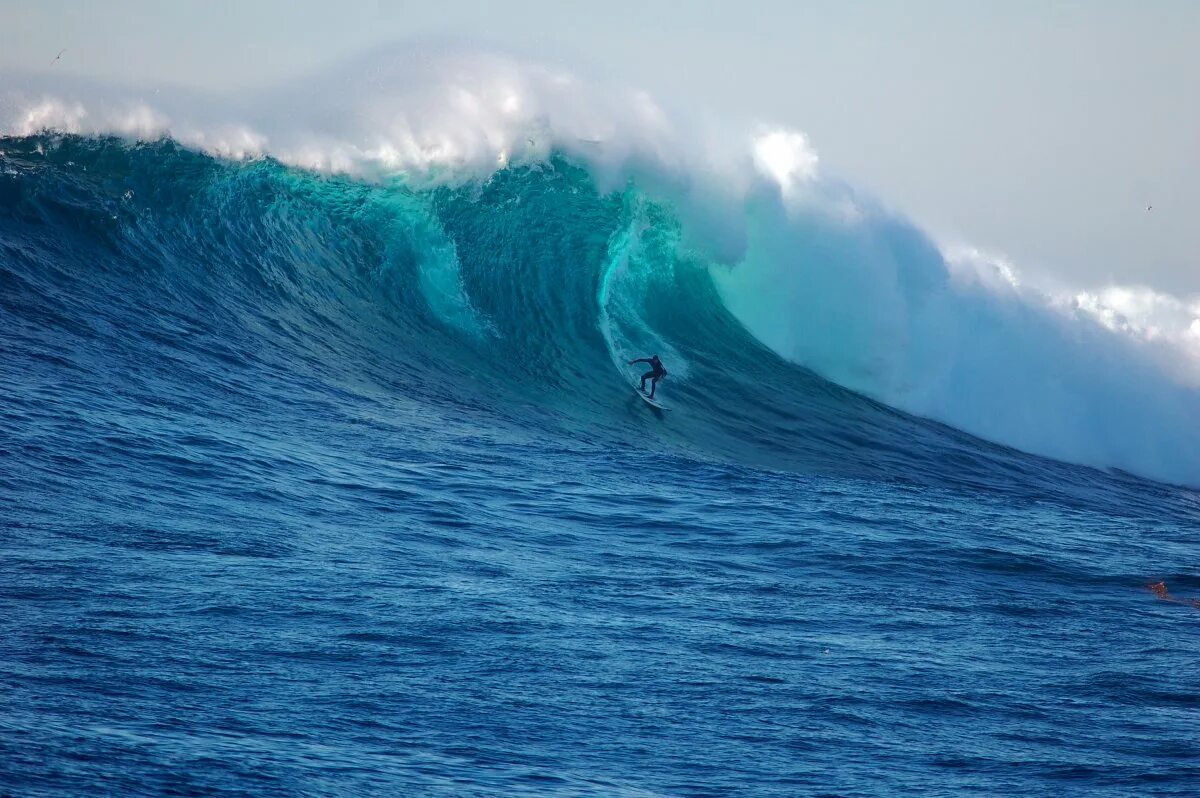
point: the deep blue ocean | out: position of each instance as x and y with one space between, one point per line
313 485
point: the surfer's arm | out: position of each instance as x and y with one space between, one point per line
640 360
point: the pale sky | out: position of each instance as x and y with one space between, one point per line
1038 131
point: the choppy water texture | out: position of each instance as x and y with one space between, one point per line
315 486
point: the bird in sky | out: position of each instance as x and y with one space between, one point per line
60 52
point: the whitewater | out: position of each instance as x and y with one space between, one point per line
321 473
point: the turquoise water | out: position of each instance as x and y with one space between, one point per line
317 486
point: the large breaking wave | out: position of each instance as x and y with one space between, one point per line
476 235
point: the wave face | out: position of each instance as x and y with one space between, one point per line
321 470
520 298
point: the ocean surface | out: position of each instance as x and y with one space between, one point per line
314 484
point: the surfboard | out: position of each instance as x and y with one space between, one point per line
652 402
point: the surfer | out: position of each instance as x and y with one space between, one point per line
656 373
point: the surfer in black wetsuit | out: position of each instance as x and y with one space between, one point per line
656 372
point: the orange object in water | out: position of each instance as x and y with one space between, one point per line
1159 589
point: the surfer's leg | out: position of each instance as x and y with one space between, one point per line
653 385
645 377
